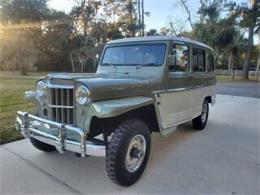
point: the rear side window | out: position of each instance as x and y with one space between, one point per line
210 66
198 60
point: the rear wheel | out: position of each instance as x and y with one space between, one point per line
200 122
42 146
128 152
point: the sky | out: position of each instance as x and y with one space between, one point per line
161 10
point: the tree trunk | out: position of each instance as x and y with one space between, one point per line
81 63
131 14
230 60
257 68
248 53
24 70
216 59
250 40
72 63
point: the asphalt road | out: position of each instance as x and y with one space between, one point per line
246 89
222 159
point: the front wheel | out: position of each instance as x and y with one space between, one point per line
200 122
128 152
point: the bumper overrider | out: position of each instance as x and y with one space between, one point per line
32 126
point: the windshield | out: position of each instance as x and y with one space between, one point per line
134 55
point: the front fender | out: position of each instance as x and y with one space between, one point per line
112 108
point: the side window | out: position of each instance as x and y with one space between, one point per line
198 60
180 58
210 66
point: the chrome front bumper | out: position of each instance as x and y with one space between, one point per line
29 125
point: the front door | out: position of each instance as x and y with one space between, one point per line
175 101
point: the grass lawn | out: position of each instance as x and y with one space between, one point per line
12 87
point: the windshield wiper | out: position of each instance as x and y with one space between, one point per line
147 64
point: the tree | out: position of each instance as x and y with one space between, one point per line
249 21
152 32
258 59
127 15
17 16
183 3
218 27
17 50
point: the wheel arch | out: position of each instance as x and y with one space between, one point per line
146 113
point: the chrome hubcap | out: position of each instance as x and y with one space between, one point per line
204 113
135 153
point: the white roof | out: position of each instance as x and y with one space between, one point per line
159 38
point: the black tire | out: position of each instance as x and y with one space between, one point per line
118 150
42 146
200 122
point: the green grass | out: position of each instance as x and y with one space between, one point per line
12 88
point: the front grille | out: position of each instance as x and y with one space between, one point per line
62 106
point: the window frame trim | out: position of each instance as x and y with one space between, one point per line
136 44
173 44
205 59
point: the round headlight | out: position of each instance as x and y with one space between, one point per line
82 95
40 89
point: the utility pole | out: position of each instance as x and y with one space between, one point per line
142 17
139 17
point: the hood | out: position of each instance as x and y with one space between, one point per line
104 87
110 87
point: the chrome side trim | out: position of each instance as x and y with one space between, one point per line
180 89
171 90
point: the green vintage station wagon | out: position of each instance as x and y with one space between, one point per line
142 85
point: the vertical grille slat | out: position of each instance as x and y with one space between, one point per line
68 103
62 105
56 97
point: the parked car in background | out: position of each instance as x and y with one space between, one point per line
142 85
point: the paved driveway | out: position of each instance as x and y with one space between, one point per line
222 159
246 89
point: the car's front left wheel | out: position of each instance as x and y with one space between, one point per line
128 152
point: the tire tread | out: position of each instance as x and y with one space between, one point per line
120 135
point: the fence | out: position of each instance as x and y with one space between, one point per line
235 72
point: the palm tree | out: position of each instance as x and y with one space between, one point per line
249 21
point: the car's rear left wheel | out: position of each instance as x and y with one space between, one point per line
200 122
